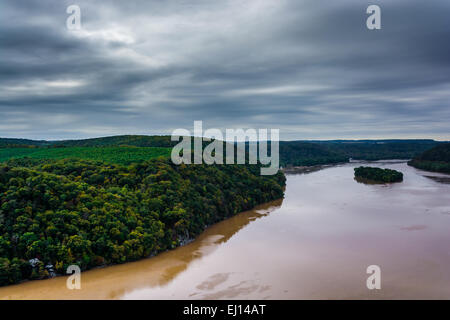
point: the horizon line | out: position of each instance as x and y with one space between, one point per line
283 140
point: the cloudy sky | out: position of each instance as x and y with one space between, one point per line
308 67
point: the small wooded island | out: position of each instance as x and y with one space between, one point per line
378 175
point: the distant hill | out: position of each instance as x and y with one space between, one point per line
439 153
12 142
435 159
127 140
379 149
300 153
292 153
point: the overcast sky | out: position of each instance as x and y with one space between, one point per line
308 67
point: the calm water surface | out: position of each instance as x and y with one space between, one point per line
315 244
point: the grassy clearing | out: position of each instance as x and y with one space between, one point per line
117 155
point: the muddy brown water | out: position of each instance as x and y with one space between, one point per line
316 243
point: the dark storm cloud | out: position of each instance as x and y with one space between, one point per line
310 68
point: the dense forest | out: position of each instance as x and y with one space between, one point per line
378 175
292 153
378 149
125 140
436 159
13 143
91 213
298 153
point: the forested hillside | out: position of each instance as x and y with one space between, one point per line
11 142
298 153
126 140
436 159
292 153
379 149
90 213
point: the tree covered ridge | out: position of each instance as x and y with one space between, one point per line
436 159
297 153
124 140
292 153
90 213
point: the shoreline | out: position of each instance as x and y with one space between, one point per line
148 259
309 169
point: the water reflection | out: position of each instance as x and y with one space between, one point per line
441 179
372 182
304 169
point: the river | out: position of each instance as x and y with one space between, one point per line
316 243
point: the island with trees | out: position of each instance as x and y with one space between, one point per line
377 175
